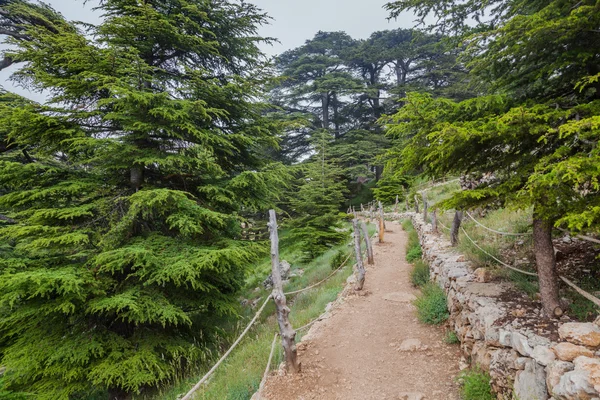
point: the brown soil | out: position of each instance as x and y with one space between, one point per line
372 346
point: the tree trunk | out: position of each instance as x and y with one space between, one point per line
546 267
378 172
360 279
458 216
336 119
325 106
365 232
136 177
288 334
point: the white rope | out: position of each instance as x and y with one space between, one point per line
189 394
582 292
268 368
318 283
500 261
495 231
442 225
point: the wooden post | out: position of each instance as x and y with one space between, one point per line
396 205
381 215
458 216
406 203
288 334
360 279
434 223
365 232
425 207
416 204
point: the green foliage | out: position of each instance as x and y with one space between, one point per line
419 275
476 385
414 253
338 259
121 198
451 338
431 305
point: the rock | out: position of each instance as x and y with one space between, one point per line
297 272
284 269
566 351
505 338
351 279
543 355
410 345
592 365
575 385
530 384
586 334
554 371
521 362
482 275
411 396
519 343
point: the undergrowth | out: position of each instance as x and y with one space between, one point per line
451 338
476 385
431 305
414 251
419 275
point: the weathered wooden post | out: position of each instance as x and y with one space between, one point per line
425 207
396 205
406 203
458 216
360 279
365 232
434 223
416 204
288 334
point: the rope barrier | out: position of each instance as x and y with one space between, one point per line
266 374
442 225
582 237
499 261
189 394
318 283
582 292
495 231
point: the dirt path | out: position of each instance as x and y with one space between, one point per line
373 347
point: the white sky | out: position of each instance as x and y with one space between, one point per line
294 22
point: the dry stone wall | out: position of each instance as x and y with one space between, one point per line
528 356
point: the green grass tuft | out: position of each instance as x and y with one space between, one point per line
451 338
414 254
476 385
419 275
431 305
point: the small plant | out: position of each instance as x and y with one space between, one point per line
338 259
414 253
419 275
525 283
451 338
431 305
476 385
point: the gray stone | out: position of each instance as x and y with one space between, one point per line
543 355
575 385
530 384
505 338
554 371
519 343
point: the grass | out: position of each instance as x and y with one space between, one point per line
419 275
431 305
414 251
451 338
476 385
238 378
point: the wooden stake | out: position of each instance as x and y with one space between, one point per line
425 207
434 223
365 232
458 216
288 334
396 205
360 279
416 204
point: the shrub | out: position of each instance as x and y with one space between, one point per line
451 338
431 305
419 275
414 253
338 259
476 385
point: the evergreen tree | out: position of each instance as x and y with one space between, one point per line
121 197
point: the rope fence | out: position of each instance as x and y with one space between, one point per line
205 378
495 231
268 368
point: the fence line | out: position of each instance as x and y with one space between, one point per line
582 237
500 261
495 231
189 394
268 369
239 339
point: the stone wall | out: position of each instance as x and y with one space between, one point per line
502 331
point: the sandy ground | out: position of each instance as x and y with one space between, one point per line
372 346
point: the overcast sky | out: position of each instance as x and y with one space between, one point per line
294 21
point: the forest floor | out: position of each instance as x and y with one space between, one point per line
372 345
